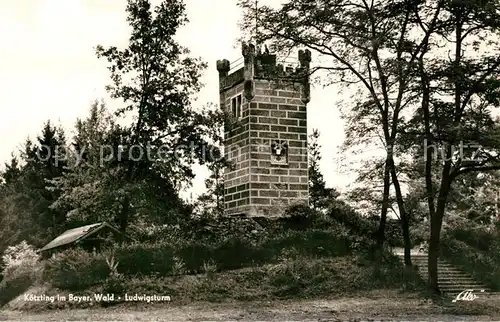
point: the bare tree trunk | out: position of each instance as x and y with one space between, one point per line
405 225
124 214
432 260
385 206
437 222
402 214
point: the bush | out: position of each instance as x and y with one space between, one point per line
18 260
21 270
76 269
478 238
145 259
348 217
484 266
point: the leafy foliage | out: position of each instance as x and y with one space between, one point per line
156 79
319 194
19 259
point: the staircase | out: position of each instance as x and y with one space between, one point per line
451 280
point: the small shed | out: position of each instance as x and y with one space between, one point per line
90 237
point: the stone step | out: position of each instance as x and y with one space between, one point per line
456 291
451 274
456 280
451 279
447 273
462 286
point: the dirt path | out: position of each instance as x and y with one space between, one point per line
353 309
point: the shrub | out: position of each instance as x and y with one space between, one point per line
299 217
315 243
178 266
76 269
145 258
478 238
21 269
481 264
20 259
348 217
210 267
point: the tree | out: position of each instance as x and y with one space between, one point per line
90 191
12 171
368 45
44 161
24 198
457 97
156 79
319 194
212 201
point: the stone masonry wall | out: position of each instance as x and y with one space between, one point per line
277 112
237 150
254 186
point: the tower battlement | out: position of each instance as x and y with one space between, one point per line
266 141
263 65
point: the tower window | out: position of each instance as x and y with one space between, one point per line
236 106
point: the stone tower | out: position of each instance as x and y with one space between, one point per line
266 140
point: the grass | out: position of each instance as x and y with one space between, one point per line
301 278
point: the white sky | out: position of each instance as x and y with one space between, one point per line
48 68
